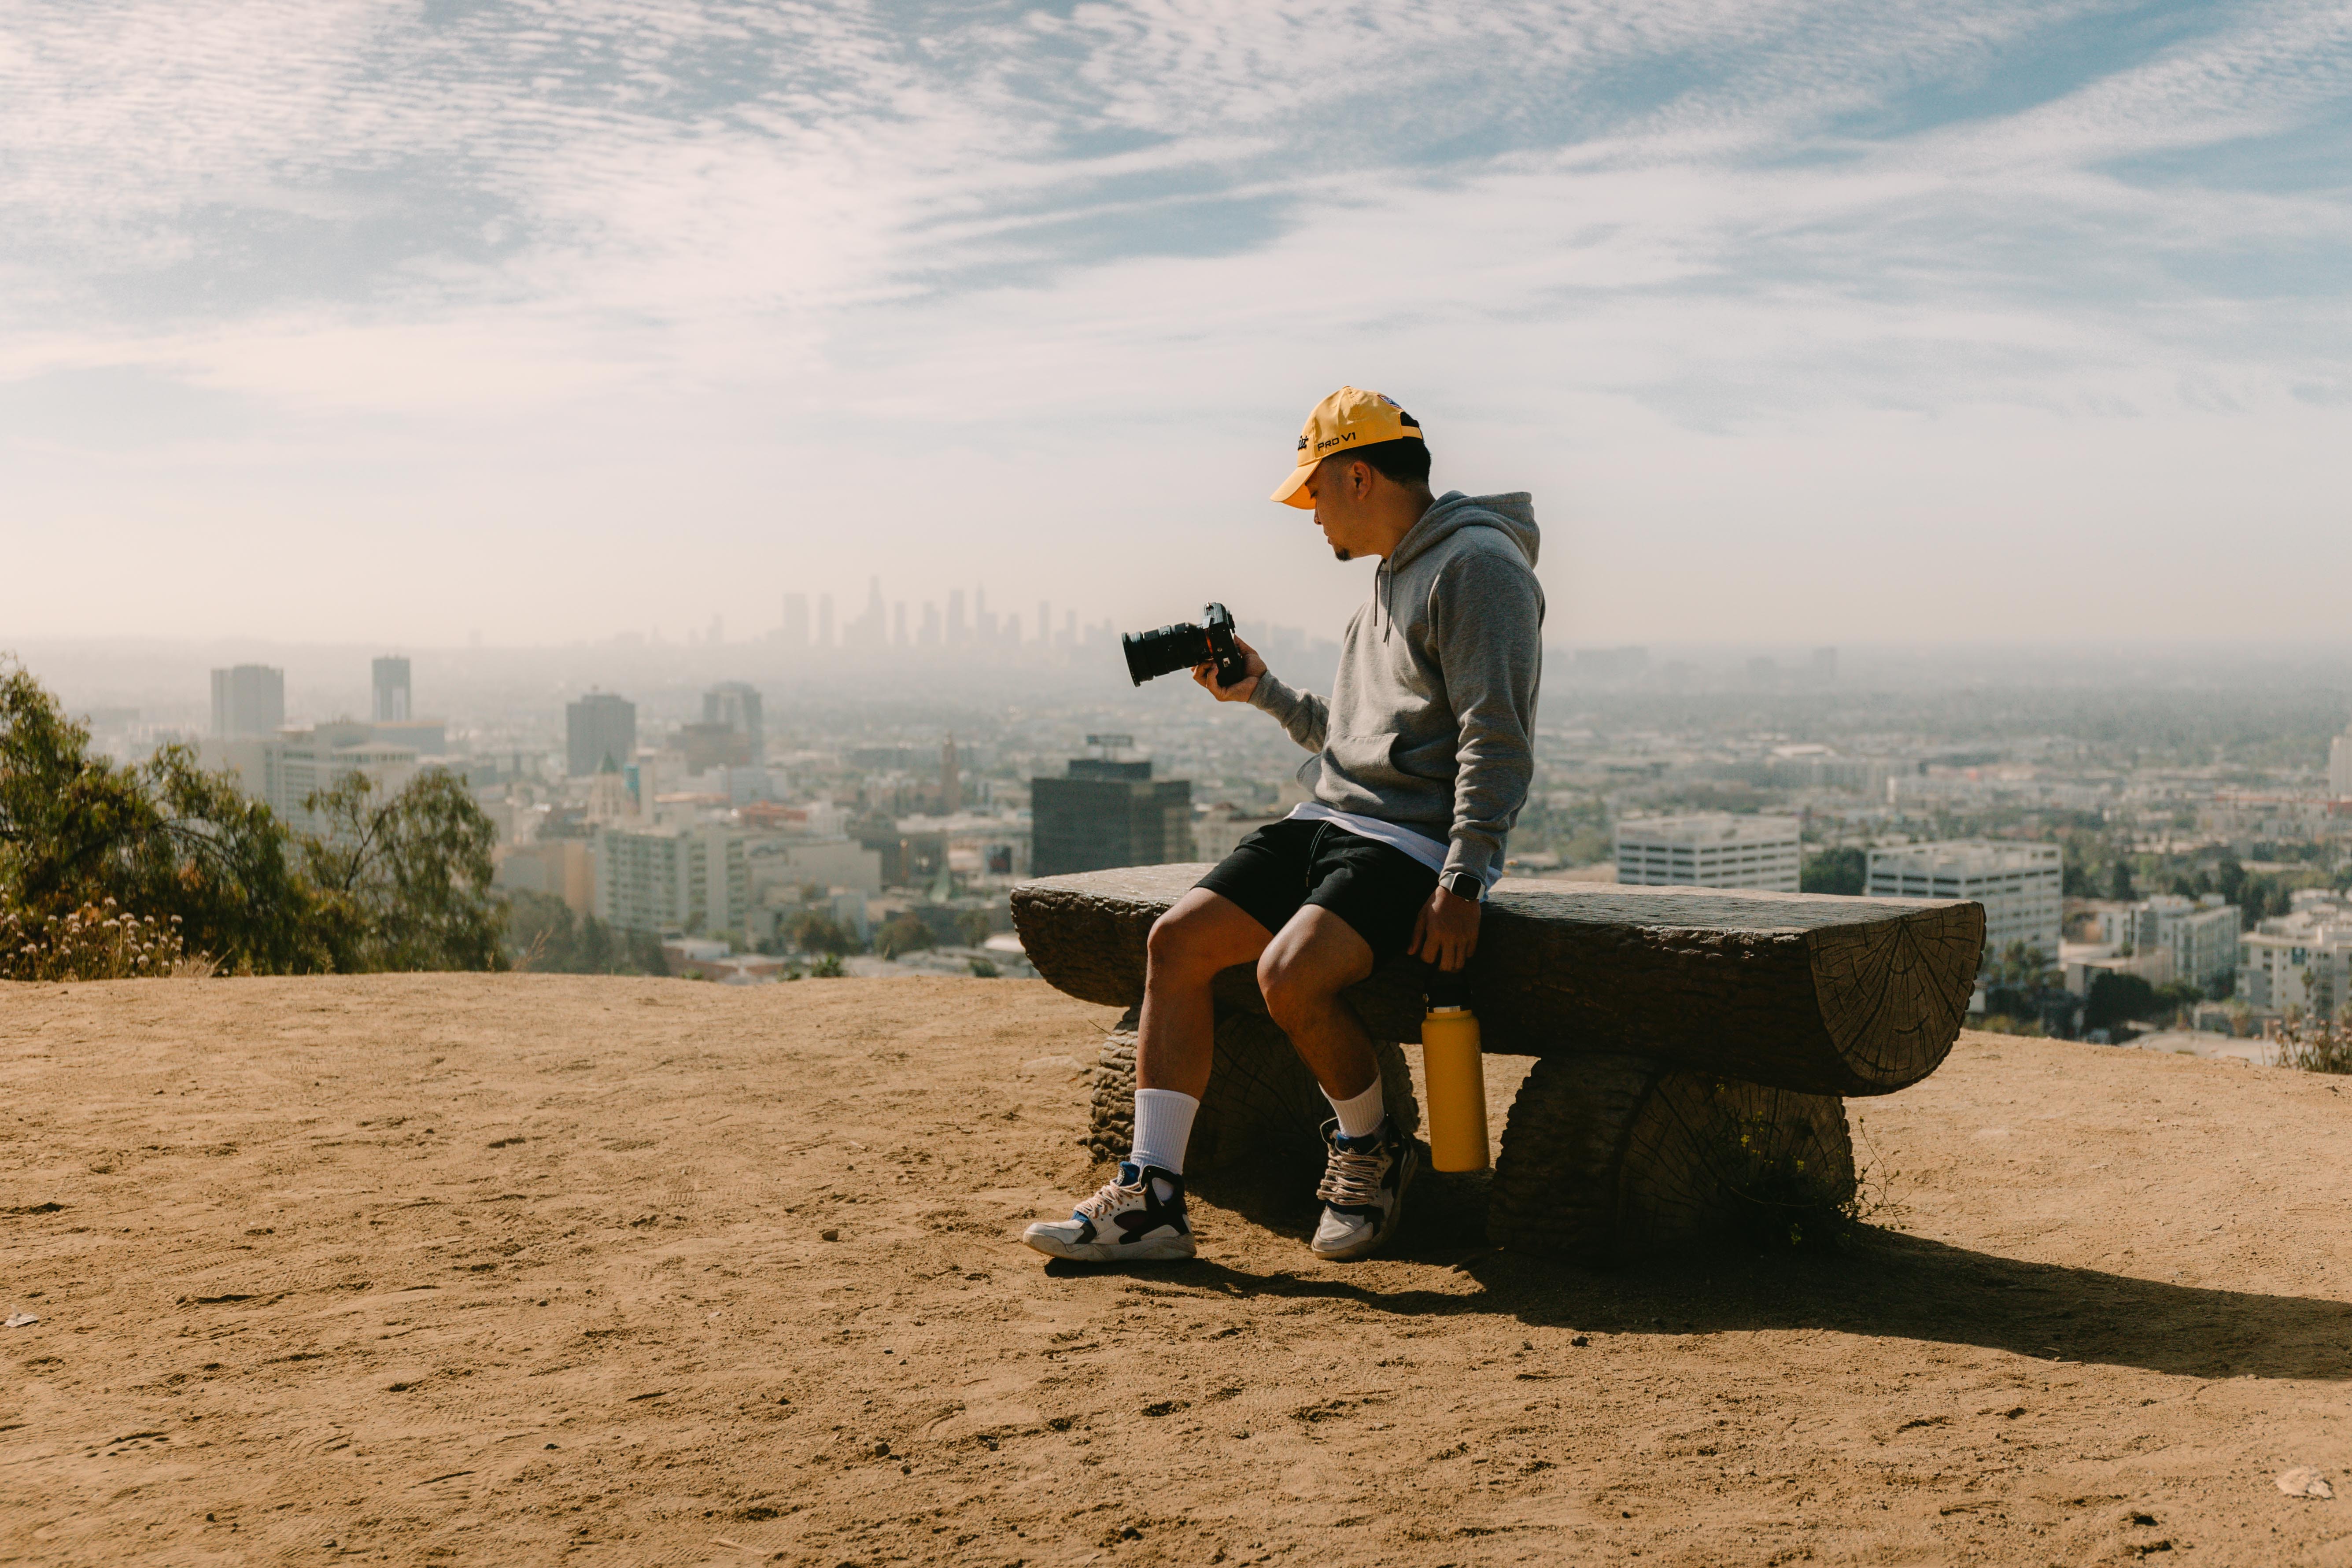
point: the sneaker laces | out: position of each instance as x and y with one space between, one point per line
1105 1201
1351 1179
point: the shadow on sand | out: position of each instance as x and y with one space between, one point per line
1887 1285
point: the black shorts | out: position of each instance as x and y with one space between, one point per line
1377 889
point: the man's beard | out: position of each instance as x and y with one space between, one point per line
1341 551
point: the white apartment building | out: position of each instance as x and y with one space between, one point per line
777 860
1712 849
677 878
2301 962
2018 884
2201 935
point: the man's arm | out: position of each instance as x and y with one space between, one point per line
1301 713
1487 612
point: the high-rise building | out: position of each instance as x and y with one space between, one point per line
248 699
735 704
600 732
898 624
2018 884
796 620
957 631
388 680
951 780
1106 813
1712 849
2339 766
825 620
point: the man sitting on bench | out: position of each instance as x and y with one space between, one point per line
1421 761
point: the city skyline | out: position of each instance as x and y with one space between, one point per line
408 325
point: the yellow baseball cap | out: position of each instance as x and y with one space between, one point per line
1349 418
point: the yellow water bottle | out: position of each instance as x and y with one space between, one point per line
1458 1076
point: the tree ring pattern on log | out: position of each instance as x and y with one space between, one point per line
1893 996
1605 1156
1261 1104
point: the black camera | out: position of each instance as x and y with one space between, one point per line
1150 655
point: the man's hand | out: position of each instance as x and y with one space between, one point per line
1239 691
1446 933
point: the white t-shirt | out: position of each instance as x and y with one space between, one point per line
1420 845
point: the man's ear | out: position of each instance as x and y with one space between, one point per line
1360 475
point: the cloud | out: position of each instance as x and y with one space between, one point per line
523 242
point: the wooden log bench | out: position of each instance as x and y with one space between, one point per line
1690 1043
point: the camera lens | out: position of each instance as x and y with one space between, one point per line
1170 649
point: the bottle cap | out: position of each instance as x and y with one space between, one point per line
1449 992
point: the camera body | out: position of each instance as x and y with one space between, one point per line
1150 655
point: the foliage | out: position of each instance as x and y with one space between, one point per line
545 937
96 941
971 925
2024 966
901 934
982 969
813 930
2010 1024
403 881
166 840
2316 1048
827 968
2119 885
2117 998
1790 1196
1844 869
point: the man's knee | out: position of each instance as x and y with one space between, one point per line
1294 990
1177 946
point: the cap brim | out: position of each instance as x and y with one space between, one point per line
1292 492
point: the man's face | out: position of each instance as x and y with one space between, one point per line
1342 488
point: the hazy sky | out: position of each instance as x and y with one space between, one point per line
1803 322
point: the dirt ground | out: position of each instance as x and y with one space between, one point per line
528 1269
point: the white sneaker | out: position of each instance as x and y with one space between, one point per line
1362 1191
1126 1222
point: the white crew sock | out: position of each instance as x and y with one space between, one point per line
1164 1125
1361 1116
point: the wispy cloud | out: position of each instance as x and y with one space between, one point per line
502 242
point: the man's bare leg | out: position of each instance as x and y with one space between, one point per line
1139 1216
1310 961
1201 934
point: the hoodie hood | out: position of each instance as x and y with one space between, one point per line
1513 513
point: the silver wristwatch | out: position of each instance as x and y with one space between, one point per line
1463 884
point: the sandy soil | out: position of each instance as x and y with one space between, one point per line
533 1270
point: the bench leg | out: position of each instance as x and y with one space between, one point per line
1262 1103
1606 1155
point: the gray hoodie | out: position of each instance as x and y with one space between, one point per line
1429 722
